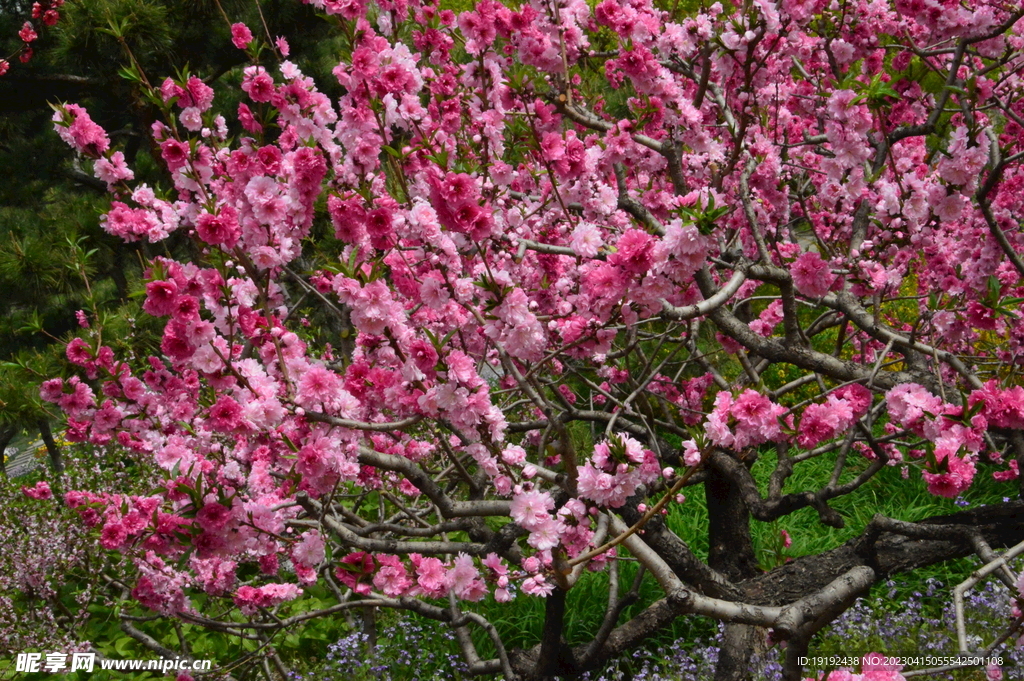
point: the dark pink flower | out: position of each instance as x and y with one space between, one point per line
225 414
635 251
953 481
40 491
364 62
52 390
219 230
857 396
258 84
355 570
174 153
423 355
241 36
75 127
822 422
378 227
318 385
811 275
186 308
308 169
27 33
200 93
78 352
212 517
160 298
169 90
247 120
348 217
113 535
270 158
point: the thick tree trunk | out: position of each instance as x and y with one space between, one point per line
548 662
56 458
740 643
731 552
370 629
731 549
7 434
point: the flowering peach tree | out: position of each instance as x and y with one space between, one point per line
584 257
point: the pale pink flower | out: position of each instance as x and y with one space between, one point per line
310 550
113 170
531 508
430 575
691 453
392 578
465 579
537 586
545 534
586 240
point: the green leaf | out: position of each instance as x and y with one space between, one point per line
448 336
121 645
994 286
130 74
288 441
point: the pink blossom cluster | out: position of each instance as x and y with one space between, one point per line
423 575
687 394
811 275
160 587
615 470
745 421
45 13
216 575
193 97
40 490
1003 408
531 510
956 445
75 127
249 599
841 409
